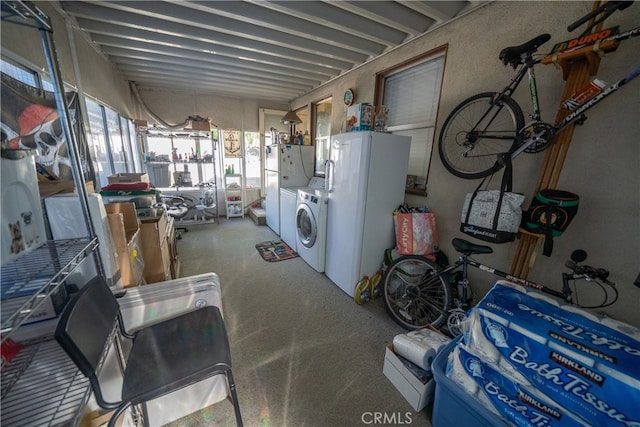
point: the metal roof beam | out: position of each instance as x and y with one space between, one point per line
196 51
228 45
210 61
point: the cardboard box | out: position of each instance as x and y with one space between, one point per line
99 419
129 215
418 393
154 242
359 117
49 188
200 125
128 177
125 231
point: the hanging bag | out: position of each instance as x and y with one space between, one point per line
550 213
493 215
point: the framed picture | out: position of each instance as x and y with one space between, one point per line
232 143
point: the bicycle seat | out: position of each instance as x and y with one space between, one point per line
512 55
469 248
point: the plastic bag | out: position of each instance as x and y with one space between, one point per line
416 232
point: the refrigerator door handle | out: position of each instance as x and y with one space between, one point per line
329 165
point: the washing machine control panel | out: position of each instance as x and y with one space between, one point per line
308 198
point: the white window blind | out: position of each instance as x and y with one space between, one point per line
412 96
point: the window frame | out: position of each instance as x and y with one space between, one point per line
381 76
322 152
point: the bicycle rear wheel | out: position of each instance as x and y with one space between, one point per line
414 294
476 132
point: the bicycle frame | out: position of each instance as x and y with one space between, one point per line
574 116
528 69
465 260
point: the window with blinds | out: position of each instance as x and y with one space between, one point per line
412 93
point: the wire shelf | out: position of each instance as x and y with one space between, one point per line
41 386
27 282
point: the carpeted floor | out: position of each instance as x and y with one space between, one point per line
304 354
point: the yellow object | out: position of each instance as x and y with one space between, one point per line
375 288
362 293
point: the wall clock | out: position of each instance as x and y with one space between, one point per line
349 97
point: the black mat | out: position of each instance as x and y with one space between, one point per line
274 251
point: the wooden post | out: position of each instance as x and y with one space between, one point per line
577 68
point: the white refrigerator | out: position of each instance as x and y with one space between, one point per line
285 166
366 175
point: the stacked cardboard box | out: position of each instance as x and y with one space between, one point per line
128 177
125 230
155 235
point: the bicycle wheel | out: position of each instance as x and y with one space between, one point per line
476 132
414 294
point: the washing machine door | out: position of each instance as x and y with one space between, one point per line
306 225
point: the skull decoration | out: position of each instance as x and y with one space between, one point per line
41 130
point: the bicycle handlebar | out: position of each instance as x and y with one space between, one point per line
607 9
589 272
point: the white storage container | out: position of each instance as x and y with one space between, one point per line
22 220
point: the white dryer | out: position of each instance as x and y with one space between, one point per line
288 204
311 226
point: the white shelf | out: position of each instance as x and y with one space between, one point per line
234 195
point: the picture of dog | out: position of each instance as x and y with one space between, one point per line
17 244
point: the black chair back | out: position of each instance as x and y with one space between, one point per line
84 328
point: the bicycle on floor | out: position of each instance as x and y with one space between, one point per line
479 133
417 292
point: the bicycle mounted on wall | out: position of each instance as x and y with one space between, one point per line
483 128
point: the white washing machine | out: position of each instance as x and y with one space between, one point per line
311 226
288 205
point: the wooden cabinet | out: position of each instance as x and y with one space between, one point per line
157 243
